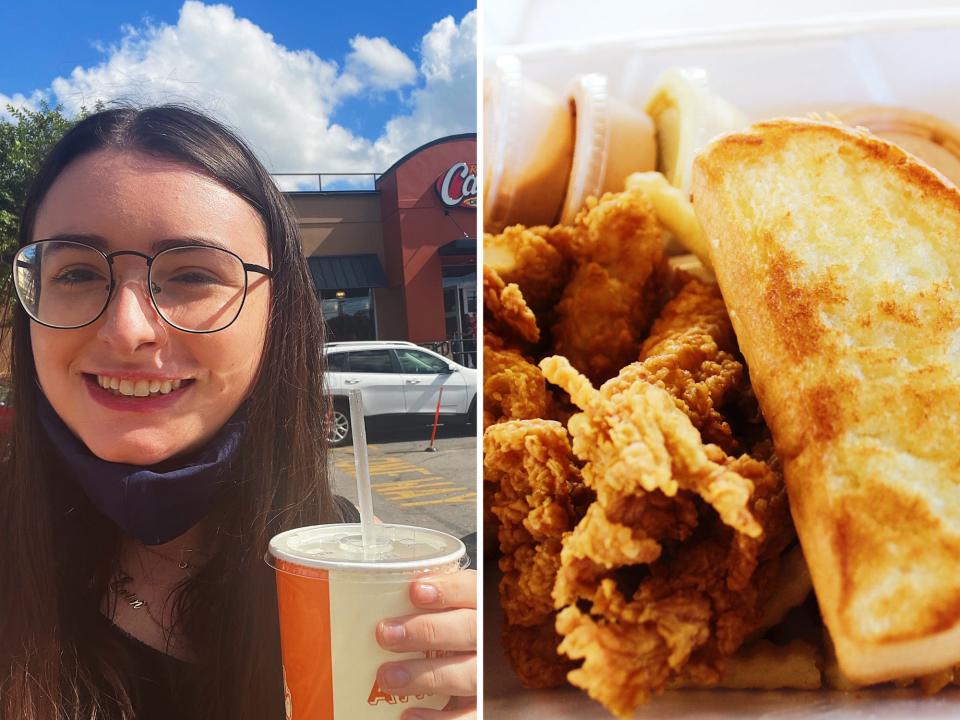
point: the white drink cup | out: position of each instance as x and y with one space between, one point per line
332 592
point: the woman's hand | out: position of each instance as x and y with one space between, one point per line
448 624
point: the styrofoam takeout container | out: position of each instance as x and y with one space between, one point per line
905 60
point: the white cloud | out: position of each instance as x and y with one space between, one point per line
384 66
19 100
446 104
282 100
441 48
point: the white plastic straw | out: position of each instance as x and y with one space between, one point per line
364 495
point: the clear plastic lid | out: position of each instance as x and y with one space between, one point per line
339 547
528 146
612 140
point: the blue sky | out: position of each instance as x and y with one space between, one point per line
357 82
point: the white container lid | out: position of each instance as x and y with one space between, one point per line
339 547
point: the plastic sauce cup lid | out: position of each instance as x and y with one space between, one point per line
933 140
528 148
339 547
588 101
613 139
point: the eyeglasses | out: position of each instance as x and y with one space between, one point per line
195 288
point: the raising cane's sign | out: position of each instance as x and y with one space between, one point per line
457 187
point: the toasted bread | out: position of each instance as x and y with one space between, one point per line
838 255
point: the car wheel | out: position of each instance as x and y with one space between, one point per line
340 430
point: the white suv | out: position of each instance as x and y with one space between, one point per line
396 379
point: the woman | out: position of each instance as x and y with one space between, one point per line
151 458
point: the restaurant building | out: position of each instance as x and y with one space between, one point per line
399 261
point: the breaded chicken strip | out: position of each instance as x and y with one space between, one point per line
527 257
656 616
536 483
692 354
513 387
532 468
616 246
634 437
532 653
507 312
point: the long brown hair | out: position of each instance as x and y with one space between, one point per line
57 555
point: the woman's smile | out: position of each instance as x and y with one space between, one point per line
132 386
131 394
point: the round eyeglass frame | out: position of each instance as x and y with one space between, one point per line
247 267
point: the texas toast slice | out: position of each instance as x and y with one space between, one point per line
838 256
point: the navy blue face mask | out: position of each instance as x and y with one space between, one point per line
156 503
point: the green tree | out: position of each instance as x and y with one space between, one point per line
25 139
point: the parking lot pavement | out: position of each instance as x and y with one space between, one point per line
414 487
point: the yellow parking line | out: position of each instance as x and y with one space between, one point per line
427 489
400 491
413 494
456 499
387 466
400 484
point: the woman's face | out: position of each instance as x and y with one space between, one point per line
130 201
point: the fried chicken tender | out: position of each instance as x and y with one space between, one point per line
532 653
513 387
507 311
616 246
692 354
633 438
531 466
527 257
656 562
634 646
656 616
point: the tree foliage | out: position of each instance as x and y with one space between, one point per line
25 139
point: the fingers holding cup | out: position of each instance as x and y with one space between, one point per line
450 630
454 675
451 712
442 592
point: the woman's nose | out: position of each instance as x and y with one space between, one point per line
131 320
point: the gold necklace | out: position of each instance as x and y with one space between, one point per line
120 587
185 556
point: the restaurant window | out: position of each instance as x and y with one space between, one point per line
460 312
349 314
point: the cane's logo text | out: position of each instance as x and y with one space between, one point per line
457 187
